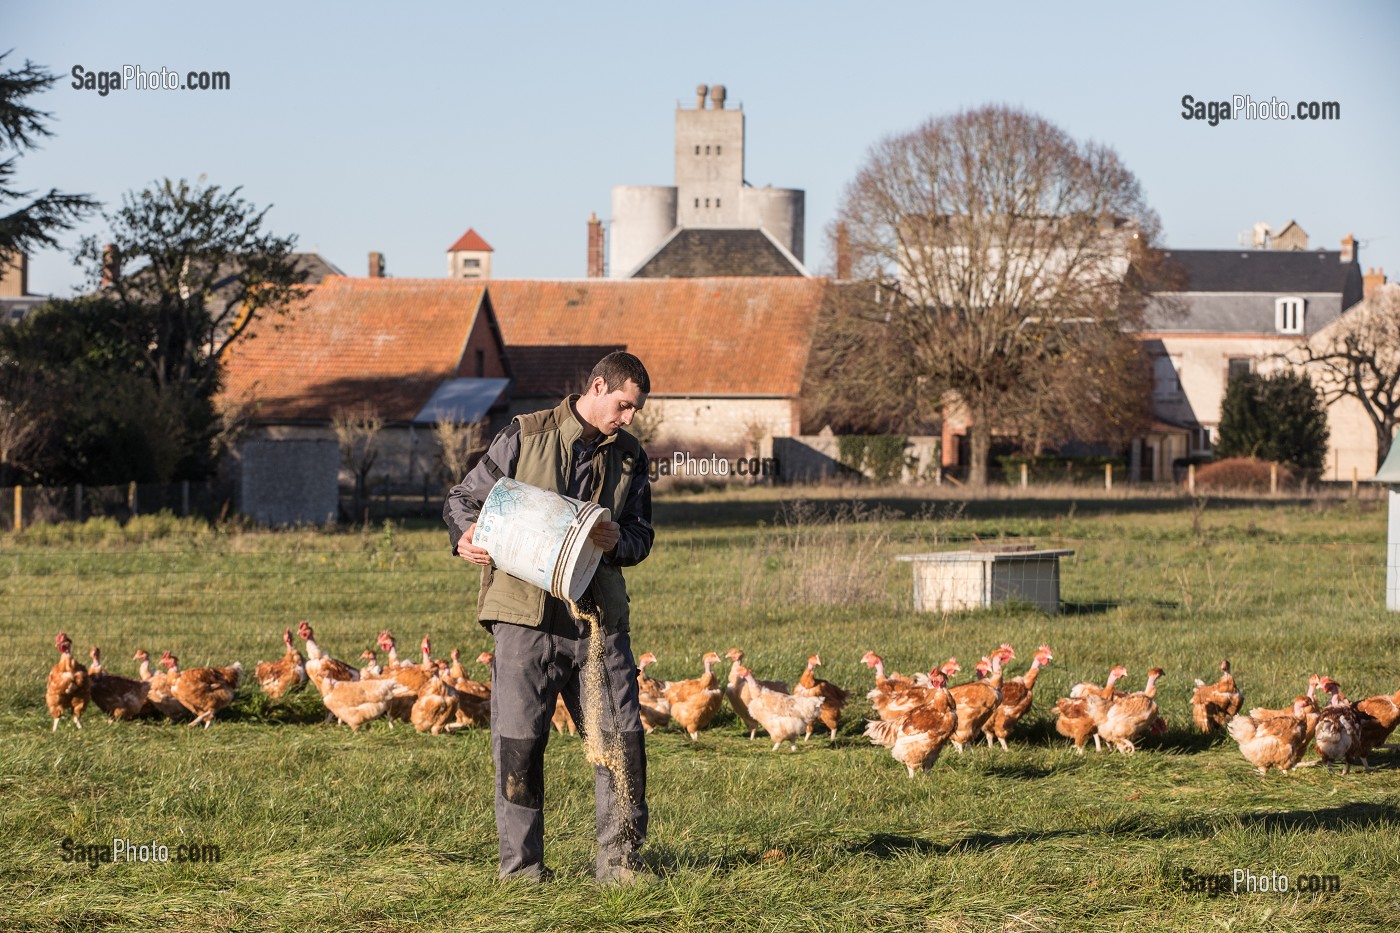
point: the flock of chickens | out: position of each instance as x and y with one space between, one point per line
435 696
918 715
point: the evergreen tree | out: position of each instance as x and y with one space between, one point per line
1279 417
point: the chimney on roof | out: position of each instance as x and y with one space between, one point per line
14 275
701 90
1372 281
717 97
1348 248
843 253
376 265
111 264
595 246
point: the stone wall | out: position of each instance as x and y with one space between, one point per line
289 482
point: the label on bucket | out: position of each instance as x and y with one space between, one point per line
540 536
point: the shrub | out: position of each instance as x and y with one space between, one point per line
881 456
1241 474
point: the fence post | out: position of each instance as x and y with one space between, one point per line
1191 478
131 497
19 508
1355 482
1108 476
1273 479
78 503
185 498
1025 470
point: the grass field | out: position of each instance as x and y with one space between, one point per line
321 829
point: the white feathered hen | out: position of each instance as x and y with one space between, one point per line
782 716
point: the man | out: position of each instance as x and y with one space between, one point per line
577 449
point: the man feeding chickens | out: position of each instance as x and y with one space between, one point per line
577 449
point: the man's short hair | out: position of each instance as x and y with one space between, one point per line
617 368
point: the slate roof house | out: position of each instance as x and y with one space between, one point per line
1352 443
1234 311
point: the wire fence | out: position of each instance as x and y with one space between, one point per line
25 506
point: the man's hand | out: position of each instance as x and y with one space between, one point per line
605 535
470 552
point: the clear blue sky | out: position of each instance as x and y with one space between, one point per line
396 126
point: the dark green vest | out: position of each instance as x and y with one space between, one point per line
546 452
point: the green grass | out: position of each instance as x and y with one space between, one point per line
322 829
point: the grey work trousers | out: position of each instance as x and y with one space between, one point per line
534 666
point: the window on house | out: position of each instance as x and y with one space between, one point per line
718 149
1201 440
1288 315
707 202
697 150
716 202
697 202
471 263
1166 384
707 150
1239 366
480 363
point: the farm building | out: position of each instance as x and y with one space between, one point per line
726 357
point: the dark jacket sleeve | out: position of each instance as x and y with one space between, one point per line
464 500
634 521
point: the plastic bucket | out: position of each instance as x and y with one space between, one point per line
540 536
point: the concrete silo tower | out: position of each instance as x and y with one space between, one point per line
710 196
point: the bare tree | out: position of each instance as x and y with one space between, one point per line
648 424
357 430
458 443
1097 385
1358 356
858 380
997 241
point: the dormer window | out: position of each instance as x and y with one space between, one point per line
1288 315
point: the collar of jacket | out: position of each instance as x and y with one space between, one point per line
571 428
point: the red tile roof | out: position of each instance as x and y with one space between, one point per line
471 240
394 340
390 341
702 337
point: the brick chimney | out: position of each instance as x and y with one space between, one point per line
376 265
1371 281
111 264
1348 248
843 253
595 246
14 275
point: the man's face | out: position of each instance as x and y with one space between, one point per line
613 410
